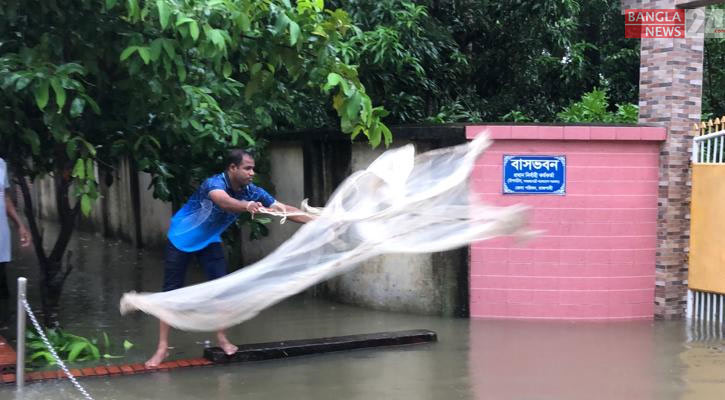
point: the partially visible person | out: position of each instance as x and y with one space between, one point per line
7 209
196 229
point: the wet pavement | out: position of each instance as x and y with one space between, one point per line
473 359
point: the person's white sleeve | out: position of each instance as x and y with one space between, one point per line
6 183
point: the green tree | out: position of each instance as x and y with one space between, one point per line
713 91
472 60
408 60
713 71
169 84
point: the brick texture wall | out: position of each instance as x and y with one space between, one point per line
595 259
670 95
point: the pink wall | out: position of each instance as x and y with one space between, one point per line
596 258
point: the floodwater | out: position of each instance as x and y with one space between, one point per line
473 359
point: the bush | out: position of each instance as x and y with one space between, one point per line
69 347
594 107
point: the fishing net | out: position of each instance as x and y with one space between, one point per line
402 203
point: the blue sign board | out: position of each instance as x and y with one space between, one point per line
534 174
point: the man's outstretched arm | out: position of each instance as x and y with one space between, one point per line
287 209
230 204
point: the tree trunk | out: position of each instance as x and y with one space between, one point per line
52 271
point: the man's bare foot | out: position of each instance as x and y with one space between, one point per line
226 345
157 358
229 349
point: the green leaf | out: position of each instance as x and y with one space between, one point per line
196 125
227 70
59 92
35 345
70 149
41 94
294 33
106 341
251 88
145 54
255 69
128 51
133 10
164 13
183 19
387 135
154 141
333 80
43 353
75 350
194 30
71 68
243 21
367 109
77 106
86 207
92 103
110 4
356 132
352 106
79 170
375 136
10 80
380 112
319 4
181 70
346 87
90 169
155 49
216 38
138 143
90 148
21 83
127 345
249 139
168 47
282 22
31 137
94 351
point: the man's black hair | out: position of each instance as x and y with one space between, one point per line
235 156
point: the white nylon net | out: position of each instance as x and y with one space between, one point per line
402 203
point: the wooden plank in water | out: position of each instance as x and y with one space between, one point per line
292 348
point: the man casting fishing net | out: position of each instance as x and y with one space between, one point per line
196 229
402 203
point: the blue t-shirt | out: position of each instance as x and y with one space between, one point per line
201 222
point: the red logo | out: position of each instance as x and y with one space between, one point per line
650 23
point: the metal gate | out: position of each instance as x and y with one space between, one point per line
706 281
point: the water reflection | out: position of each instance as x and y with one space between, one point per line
476 359
554 360
704 359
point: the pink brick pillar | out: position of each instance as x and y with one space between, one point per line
596 257
670 91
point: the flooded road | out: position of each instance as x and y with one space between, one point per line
473 359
